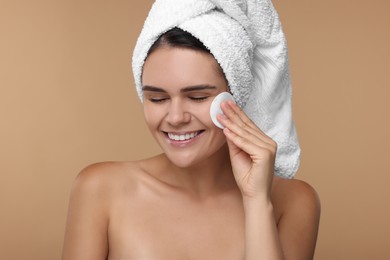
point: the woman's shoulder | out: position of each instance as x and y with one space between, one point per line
294 187
294 191
105 171
95 192
105 177
298 210
113 174
295 196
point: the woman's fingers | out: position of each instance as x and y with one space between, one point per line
239 124
256 150
237 116
236 112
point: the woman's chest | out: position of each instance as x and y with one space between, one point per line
177 231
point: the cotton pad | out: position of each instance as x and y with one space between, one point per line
215 107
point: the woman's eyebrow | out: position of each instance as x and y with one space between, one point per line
154 89
197 88
183 90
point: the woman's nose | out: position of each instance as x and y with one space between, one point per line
177 114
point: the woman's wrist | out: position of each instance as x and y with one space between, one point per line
257 198
258 204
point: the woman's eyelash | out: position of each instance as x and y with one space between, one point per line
199 98
157 100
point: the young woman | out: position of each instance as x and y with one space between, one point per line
211 194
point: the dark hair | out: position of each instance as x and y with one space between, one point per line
179 38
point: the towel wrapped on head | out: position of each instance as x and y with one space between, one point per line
246 39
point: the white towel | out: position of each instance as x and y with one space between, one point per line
246 38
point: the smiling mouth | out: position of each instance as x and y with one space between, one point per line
182 137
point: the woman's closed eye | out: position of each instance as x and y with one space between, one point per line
162 98
198 98
157 100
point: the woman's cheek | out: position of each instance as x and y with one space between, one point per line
206 113
149 114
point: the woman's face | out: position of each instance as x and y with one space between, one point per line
179 85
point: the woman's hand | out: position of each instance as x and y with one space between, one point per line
252 152
252 155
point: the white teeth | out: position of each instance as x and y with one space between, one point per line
183 137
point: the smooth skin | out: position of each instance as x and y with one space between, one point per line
213 196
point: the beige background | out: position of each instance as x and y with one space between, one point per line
67 100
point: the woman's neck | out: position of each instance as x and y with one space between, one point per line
212 175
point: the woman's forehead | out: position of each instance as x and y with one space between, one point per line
181 67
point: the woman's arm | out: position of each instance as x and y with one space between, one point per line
299 221
86 227
252 155
297 229
261 233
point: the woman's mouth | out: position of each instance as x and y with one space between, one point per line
182 137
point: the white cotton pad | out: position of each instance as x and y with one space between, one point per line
215 107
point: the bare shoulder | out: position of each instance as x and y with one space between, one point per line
97 173
105 177
295 194
298 210
102 170
94 190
